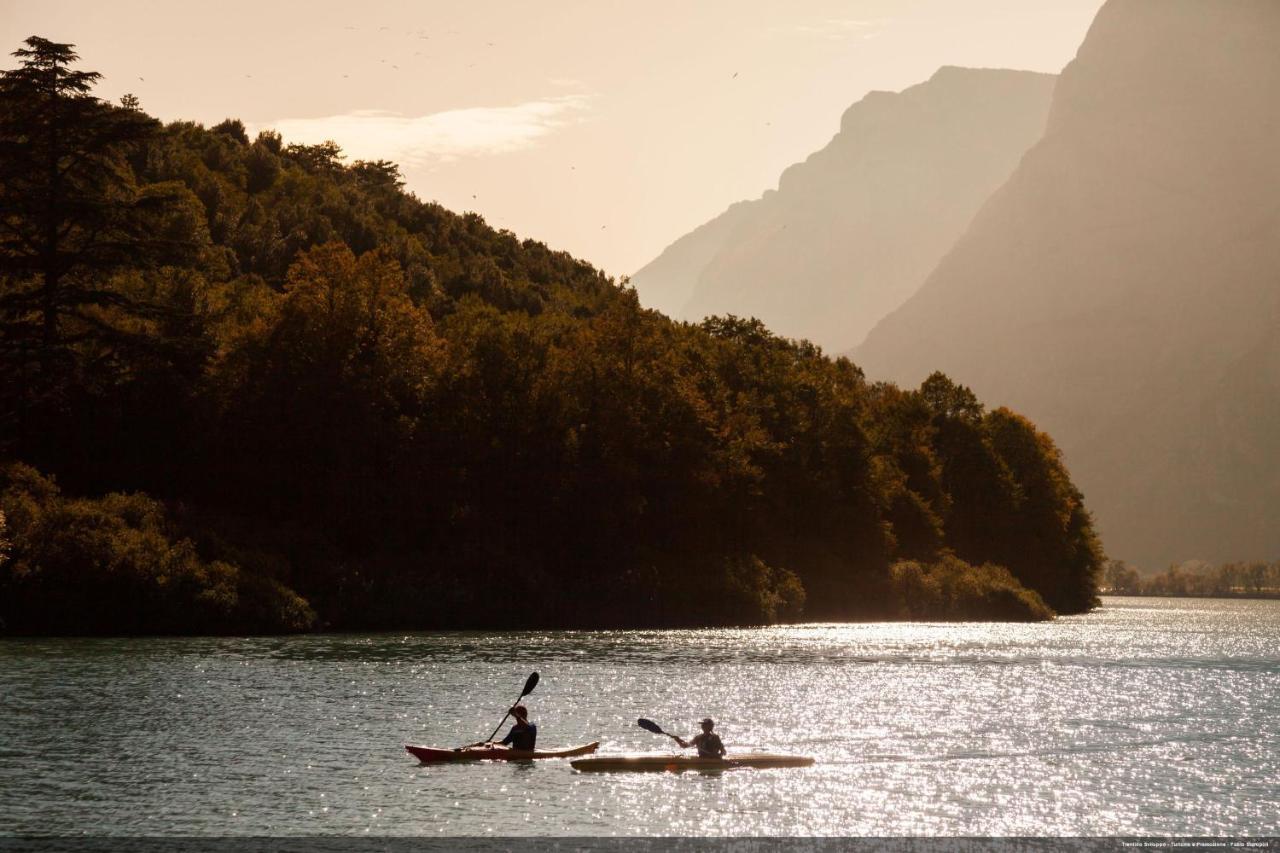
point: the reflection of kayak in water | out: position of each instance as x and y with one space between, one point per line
437 755
690 762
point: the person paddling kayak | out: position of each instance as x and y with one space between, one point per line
708 743
523 735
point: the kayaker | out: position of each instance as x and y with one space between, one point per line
708 743
524 734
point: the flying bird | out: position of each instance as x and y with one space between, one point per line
735 75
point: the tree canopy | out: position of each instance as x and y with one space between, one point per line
291 377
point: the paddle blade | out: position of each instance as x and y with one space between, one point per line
650 726
529 685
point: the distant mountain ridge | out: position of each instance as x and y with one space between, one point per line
667 282
853 230
1123 288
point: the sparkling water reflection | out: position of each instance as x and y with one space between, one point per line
1150 716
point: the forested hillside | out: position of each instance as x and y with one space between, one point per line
248 386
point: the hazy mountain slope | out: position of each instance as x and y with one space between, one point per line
1116 286
853 230
667 282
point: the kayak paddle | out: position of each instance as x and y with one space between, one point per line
651 726
531 683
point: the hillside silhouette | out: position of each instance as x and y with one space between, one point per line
247 385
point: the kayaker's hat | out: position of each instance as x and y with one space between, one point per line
708 722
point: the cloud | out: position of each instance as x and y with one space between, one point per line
438 137
838 29
567 83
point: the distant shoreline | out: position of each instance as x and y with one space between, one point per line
353 632
1263 596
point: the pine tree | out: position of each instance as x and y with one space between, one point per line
71 215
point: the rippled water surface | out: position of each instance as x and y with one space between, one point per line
1150 716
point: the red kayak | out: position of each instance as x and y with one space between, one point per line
437 755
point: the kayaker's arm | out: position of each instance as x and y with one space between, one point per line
698 742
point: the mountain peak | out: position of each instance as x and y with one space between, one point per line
853 229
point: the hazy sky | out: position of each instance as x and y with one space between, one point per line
605 128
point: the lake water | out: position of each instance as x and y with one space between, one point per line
1149 716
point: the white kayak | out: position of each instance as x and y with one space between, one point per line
689 762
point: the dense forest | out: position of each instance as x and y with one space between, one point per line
1196 578
248 386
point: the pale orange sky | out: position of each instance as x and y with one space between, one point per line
607 129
